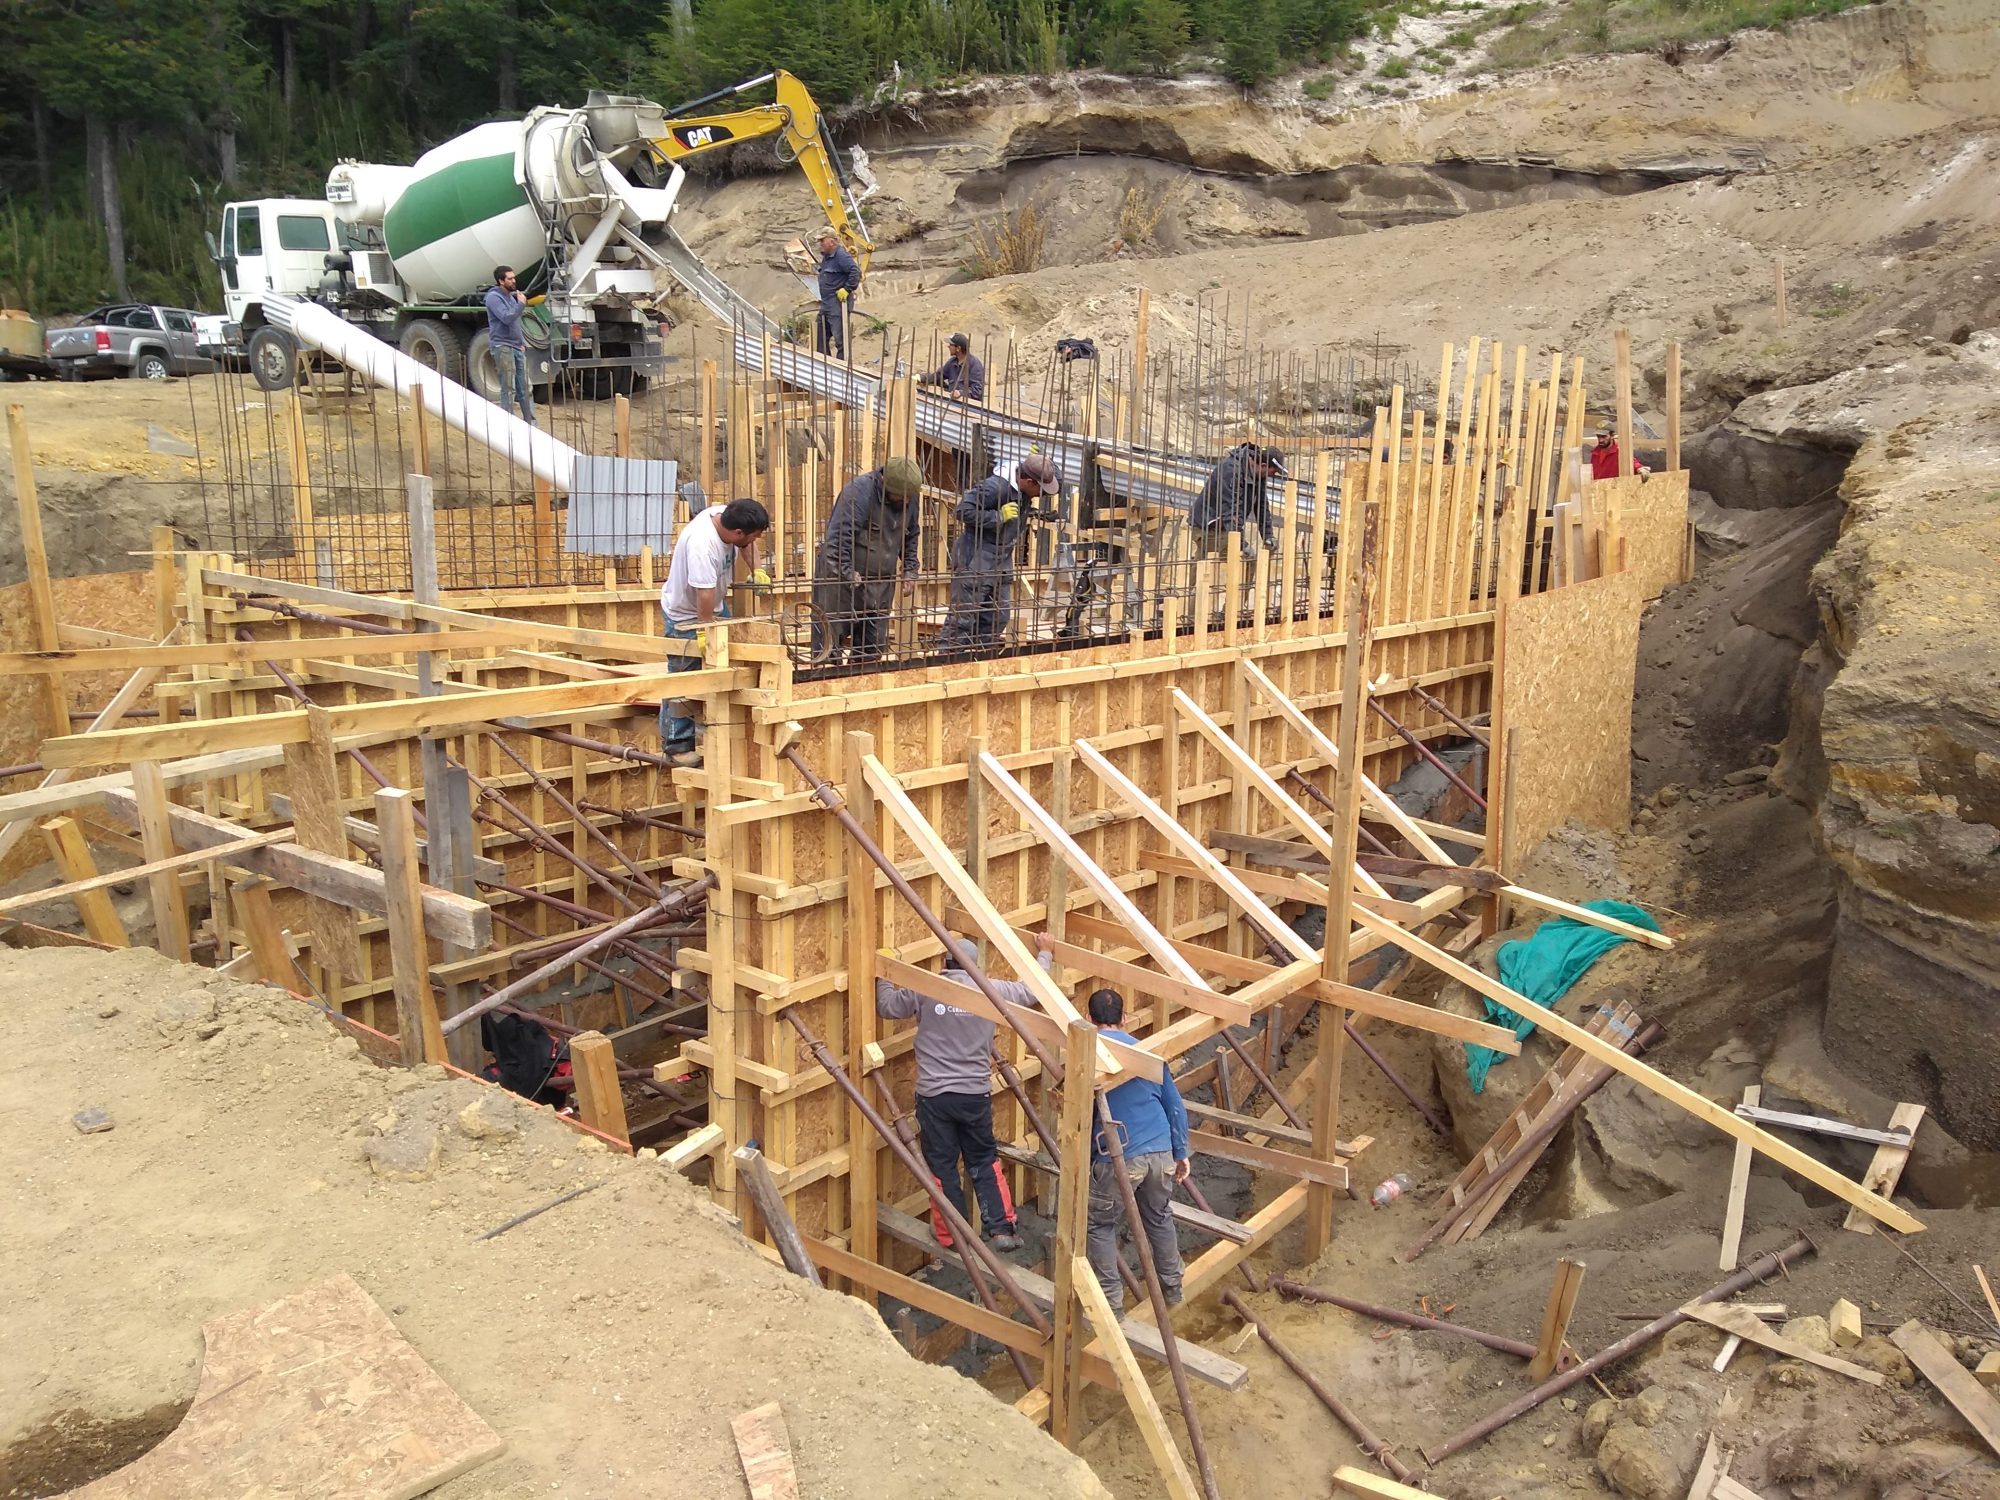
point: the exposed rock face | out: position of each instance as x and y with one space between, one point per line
1901 758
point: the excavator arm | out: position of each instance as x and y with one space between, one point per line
793 115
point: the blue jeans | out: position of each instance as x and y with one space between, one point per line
677 733
512 362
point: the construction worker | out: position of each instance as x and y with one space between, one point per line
506 305
955 1096
982 554
873 527
1234 499
839 280
963 374
1152 1127
696 595
1604 457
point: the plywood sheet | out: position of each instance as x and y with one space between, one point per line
316 1397
1570 659
1652 512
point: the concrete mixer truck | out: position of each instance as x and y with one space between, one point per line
577 201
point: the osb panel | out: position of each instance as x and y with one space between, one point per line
1653 517
1571 656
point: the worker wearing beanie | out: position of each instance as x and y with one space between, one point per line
982 555
872 528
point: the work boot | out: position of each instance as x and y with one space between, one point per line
1006 1240
686 760
1173 1293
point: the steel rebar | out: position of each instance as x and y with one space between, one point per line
1371 1445
1285 1287
578 819
1472 733
1758 1270
529 982
1428 754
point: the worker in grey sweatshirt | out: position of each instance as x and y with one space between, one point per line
955 1099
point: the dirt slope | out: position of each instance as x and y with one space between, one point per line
608 1341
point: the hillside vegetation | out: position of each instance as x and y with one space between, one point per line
124 124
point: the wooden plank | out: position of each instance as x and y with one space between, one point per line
691 1148
753 1175
1739 1187
450 918
251 897
1818 1125
1174 1476
1375 1486
418 1030
1563 1292
41 593
1063 1374
1726 1488
1213 1225
1588 917
1812 1169
1704 1475
1255 775
246 653
446 713
151 870
313 783
764 1447
1211 1115
1886 1169
156 835
1135 1061
71 852
1954 1382
864 934
1752 1329
1325 1173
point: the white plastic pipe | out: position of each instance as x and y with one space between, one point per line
451 403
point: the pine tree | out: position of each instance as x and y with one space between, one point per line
1250 51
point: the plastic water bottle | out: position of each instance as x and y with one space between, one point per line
1390 1190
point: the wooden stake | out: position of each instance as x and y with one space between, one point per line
1555 1319
1626 458
1886 1169
156 838
1739 1185
1673 406
1138 365
71 852
313 781
41 593
1174 1476
417 1025
599 1100
1064 1371
252 900
753 1173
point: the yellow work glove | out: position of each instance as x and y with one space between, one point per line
760 578
1009 513
886 952
841 294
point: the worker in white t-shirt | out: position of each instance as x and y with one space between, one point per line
696 593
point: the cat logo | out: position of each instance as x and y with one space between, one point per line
695 137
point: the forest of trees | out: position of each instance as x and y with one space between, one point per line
124 124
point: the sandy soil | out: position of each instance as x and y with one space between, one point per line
608 1341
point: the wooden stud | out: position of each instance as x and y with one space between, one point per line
1785 1155
1332 1050
1174 1476
1622 345
1739 1187
71 852
1376 1487
600 1102
1885 1170
156 837
95 882
268 948
1752 1329
418 1029
1843 1323
313 781
864 935
1674 406
1555 1319
1063 1372
1954 1382
41 592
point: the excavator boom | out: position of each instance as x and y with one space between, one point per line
794 115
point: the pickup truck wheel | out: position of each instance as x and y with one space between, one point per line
273 357
150 367
435 346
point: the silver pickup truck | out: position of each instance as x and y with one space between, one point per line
146 343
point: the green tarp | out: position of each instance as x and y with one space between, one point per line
1544 967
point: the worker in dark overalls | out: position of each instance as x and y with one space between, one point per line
982 554
873 527
839 280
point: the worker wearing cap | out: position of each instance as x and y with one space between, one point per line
982 554
964 374
1234 499
839 280
1605 456
955 1094
873 527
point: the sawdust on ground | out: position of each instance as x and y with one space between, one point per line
254 1151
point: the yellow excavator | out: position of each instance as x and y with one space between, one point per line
794 116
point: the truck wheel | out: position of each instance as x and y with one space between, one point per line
435 346
150 366
482 375
273 357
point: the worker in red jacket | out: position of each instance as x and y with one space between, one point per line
1604 457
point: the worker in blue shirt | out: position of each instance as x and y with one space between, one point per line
839 280
1153 1135
964 374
